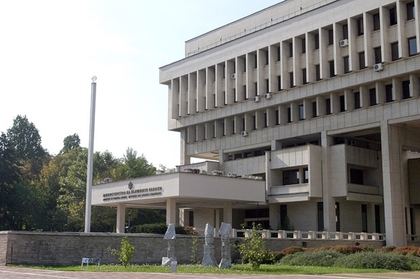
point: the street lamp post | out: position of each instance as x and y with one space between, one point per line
90 157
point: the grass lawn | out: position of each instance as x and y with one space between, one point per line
236 269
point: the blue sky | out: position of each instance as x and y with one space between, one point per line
51 49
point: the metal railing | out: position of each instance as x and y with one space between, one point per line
273 21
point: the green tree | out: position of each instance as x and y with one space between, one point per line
125 253
133 166
70 142
253 248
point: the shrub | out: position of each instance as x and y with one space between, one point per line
312 258
374 260
387 249
125 253
253 249
408 250
292 250
155 228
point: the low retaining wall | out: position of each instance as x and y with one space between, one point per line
42 248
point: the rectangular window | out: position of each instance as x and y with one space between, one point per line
378 55
317 72
290 49
364 218
360 26
320 215
356 176
331 64
254 122
394 51
265 120
328 106
412 46
410 10
342 103
346 64
372 97
267 61
392 16
301 112
244 92
255 61
330 36
376 22
303 45
316 38
267 86
388 93
289 115
345 31
278 54
406 89
357 100
314 110
244 64
291 177
362 63
277 118
304 79
292 84
279 83
305 175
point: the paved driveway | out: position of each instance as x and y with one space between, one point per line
28 273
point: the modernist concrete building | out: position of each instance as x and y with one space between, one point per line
312 105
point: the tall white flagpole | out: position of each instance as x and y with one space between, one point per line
90 157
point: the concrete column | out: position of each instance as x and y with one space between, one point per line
327 198
171 211
120 218
274 212
392 185
227 212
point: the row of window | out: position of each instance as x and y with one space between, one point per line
299 111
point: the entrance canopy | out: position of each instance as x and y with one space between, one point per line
179 190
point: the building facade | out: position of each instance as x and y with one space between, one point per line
317 104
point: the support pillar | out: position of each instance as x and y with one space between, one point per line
327 198
120 218
227 212
171 211
393 185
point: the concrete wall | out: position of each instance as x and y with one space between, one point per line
35 248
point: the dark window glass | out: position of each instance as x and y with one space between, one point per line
412 46
364 218
279 83
267 61
394 51
376 22
265 120
254 122
410 10
362 63
331 64
406 89
277 118
292 84
291 177
356 176
360 28
289 115
378 55
357 100
314 110
346 64
317 72
345 31
278 54
328 106
388 93
372 97
304 79
244 92
342 103
392 16
267 85
316 38
303 45
244 64
255 61
330 36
